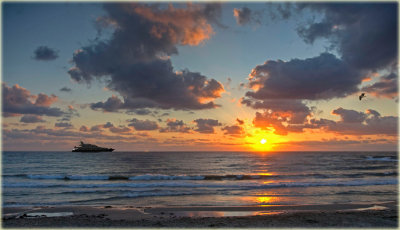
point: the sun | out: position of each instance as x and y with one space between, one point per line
263 141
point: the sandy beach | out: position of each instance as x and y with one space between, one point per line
341 215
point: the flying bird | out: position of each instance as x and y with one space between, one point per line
361 96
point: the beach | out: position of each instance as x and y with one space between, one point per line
340 215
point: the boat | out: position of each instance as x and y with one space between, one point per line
90 148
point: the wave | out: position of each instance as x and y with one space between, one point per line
379 158
146 177
243 186
160 177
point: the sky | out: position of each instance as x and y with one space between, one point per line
230 76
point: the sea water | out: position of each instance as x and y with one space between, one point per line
197 178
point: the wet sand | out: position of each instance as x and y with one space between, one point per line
340 215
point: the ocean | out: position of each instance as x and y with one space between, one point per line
197 178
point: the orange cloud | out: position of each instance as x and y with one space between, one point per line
187 26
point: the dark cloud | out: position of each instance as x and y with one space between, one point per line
141 111
174 125
63 125
206 125
18 100
387 86
121 129
321 77
243 15
359 123
44 53
246 16
240 122
349 116
65 89
365 34
70 113
112 104
134 58
108 125
96 128
84 128
141 125
31 119
235 130
373 112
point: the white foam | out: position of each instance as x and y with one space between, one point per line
244 186
370 158
49 214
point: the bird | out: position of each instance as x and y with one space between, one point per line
361 96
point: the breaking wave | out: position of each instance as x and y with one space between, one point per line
243 186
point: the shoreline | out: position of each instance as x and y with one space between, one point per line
332 215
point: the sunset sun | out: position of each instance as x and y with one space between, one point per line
263 141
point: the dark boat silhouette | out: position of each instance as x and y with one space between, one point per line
90 148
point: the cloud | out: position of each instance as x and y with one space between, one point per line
162 88
359 123
351 122
44 53
96 128
69 114
108 125
63 125
112 104
65 89
270 121
141 111
321 77
121 129
295 110
234 130
243 15
44 100
84 128
174 125
206 125
141 125
341 144
18 100
350 116
364 34
31 119
240 122
41 133
280 115
386 87
135 58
